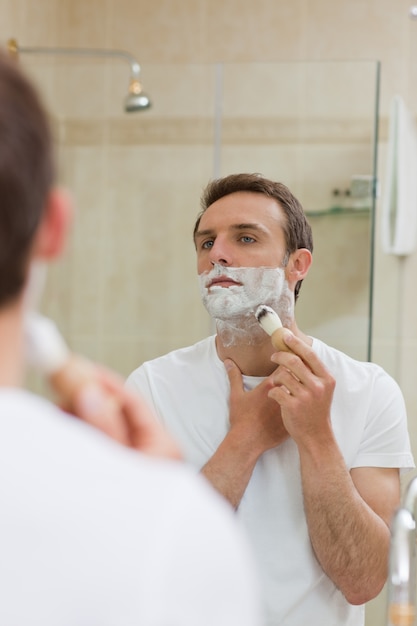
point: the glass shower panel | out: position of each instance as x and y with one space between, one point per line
127 287
312 126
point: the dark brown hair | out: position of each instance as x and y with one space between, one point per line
26 174
297 230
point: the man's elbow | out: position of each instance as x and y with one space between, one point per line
362 593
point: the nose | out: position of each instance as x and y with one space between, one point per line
220 253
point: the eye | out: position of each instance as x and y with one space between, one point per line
247 239
206 245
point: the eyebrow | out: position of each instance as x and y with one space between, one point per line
235 227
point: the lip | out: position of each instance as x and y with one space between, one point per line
223 281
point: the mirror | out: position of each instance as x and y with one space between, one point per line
126 290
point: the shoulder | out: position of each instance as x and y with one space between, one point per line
353 376
188 357
334 358
27 412
149 513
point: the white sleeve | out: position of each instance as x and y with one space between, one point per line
138 381
386 441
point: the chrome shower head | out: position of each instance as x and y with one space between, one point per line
136 99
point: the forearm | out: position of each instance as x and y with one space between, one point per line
350 540
230 468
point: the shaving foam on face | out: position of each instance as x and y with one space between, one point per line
255 285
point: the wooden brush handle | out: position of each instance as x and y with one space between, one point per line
278 341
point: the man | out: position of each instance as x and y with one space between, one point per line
306 444
91 532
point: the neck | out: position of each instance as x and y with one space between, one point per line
12 345
249 346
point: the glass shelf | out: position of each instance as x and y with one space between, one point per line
338 211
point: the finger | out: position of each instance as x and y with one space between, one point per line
235 376
109 379
305 352
286 380
281 395
99 408
146 434
292 366
136 408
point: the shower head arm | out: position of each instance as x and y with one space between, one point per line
136 99
15 49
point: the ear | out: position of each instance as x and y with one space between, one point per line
298 265
54 227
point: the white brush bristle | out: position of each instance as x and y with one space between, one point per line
46 349
268 319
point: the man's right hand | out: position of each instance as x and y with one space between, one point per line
253 413
255 426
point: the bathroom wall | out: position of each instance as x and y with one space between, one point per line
128 290
100 147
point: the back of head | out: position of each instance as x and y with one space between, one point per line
296 228
26 174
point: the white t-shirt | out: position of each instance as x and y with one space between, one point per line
189 391
93 534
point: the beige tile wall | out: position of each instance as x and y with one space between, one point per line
84 97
